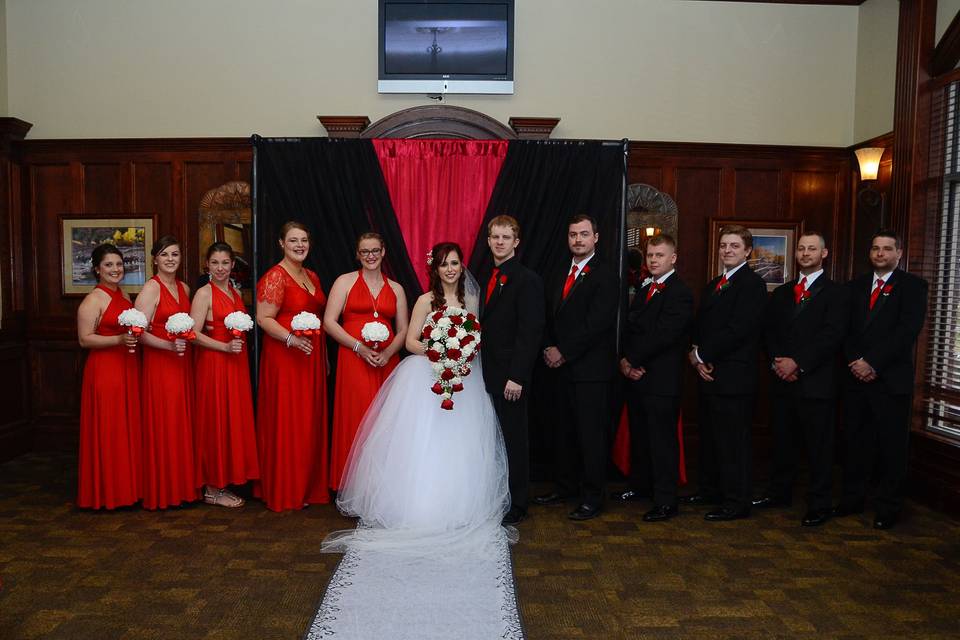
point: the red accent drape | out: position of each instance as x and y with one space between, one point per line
439 190
621 446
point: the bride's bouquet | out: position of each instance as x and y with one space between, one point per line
180 325
135 321
238 323
374 333
452 337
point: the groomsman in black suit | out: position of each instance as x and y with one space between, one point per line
580 342
512 318
654 344
887 311
806 324
726 348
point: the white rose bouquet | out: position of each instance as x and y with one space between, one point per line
135 322
180 325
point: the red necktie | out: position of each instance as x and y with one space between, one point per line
569 283
654 287
798 290
723 281
876 293
492 283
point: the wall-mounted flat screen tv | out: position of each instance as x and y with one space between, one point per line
454 46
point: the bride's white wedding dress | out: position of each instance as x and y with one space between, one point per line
429 557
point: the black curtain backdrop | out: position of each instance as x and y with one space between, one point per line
335 187
543 183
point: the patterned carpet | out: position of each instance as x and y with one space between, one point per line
205 572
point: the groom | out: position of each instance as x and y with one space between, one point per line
512 317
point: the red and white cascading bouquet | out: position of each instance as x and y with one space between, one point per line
180 325
452 337
305 324
238 323
135 321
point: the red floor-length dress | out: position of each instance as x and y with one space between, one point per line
226 442
358 382
170 473
110 426
292 401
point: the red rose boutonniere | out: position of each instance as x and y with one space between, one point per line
503 280
804 297
585 270
886 290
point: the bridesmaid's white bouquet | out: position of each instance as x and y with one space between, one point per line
373 333
452 337
180 325
305 324
237 323
135 321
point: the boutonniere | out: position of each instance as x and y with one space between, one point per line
585 271
886 290
723 284
503 280
804 297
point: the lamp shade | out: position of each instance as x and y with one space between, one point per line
869 160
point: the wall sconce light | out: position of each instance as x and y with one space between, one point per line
869 160
651 231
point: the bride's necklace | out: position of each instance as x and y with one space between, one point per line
373 298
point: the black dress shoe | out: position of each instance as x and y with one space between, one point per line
816 517
700 499
721 515
584 512
515 516
844 509
771 502
550 498
884 521
660 512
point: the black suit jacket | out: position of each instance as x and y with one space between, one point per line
512 326
582 325
727 332
886 336
811 333
656 336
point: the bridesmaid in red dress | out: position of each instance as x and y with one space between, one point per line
226 444
170 474
110 453
360 297
292 394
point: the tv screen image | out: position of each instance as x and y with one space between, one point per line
452 46
445 39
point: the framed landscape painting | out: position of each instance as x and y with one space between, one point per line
80 235
774 244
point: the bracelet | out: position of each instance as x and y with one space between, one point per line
287 340
356 348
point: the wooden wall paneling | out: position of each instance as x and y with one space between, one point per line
652 176
199 177
52 191
756 193
103 188
16 436
815 199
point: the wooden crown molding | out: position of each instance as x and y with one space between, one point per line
533 128
344 126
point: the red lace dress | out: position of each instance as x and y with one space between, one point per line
110 427
226 442
358 382
170 474
292 401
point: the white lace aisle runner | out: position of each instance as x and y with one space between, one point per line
377 594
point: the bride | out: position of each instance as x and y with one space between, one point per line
421 478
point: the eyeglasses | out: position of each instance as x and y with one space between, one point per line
369 252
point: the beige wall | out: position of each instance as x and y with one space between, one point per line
946 10
644 69
3 57
876 68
